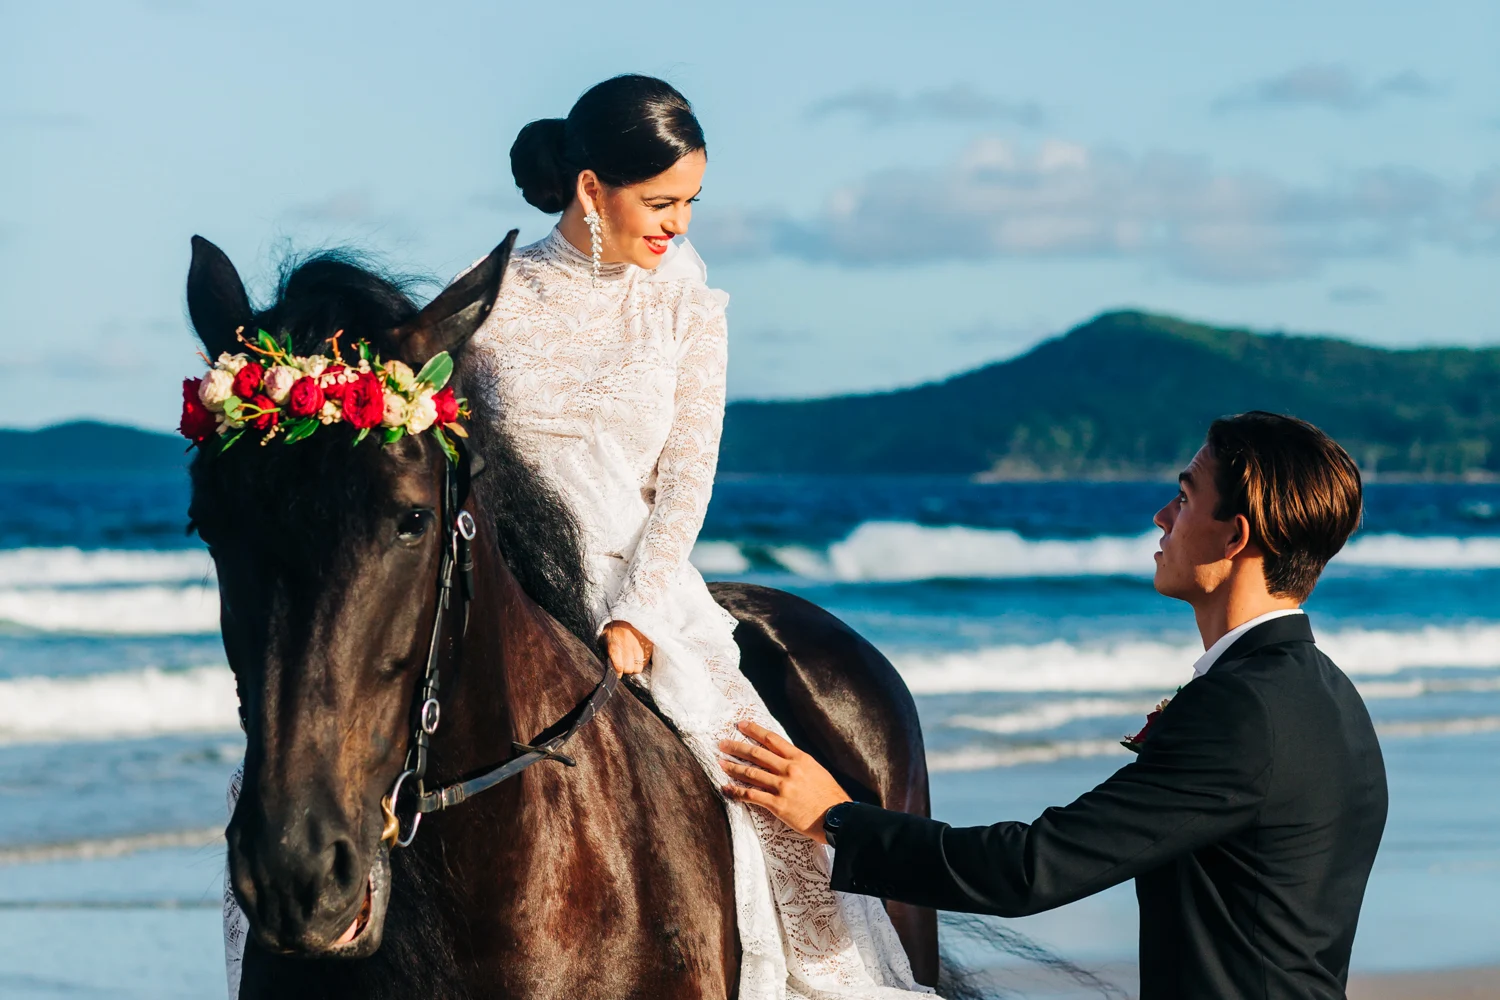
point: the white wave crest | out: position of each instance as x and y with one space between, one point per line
63 567
983 758
896 551
1412 552
110 847
1144 665
986 757
133 703
1047 715
718 558
143 610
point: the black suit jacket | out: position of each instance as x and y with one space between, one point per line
1249 821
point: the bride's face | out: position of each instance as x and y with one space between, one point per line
641 219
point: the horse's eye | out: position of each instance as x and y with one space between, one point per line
414 524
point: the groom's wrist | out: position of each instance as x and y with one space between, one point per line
833 821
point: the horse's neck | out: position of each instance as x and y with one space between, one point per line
519 671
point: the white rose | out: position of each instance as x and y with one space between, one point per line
331 413
396 410
231 363
423 413
314 365
401 373
217 386
278 383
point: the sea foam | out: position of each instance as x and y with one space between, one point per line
132 703
1146 665
895 551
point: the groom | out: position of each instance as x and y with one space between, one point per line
1250 818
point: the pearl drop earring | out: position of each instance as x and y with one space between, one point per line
596 240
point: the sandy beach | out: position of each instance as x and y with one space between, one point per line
1480 983
1450 984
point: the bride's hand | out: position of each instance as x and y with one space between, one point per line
629 651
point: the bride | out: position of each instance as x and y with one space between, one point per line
607 350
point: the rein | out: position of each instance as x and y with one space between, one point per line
458 556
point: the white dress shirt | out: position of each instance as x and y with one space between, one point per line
1211 655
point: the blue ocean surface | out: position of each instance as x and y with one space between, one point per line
1021 615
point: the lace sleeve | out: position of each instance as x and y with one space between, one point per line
685 470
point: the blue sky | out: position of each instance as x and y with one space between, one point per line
895 192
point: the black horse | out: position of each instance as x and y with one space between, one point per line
609 879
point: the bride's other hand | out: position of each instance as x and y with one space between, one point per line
629 651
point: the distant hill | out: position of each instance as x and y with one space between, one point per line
1126 395
1129 395
87 447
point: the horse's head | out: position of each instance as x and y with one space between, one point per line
327 558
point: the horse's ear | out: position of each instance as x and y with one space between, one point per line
449 320
216 298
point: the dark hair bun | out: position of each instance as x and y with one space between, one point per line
537 163
627 129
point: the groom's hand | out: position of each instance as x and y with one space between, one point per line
781 779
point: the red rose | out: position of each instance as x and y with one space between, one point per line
364 401
332 388
197 423
247 382
306 398
447 406
1140 737
264 421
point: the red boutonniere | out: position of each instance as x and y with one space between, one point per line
1134 743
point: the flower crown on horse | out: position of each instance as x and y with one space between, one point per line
284 394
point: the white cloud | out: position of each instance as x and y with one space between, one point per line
1327 86
1066 200
959 102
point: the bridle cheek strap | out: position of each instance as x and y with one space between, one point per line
458 557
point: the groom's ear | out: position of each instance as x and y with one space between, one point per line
449 320
1239 537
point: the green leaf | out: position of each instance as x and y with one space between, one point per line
266 341
364 432
232 407
437 370
229 441
393 434
364 350
299 429
446 445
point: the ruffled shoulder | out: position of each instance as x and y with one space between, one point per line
683 264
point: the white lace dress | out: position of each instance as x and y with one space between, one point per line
615 391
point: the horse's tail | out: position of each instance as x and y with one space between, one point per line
977 936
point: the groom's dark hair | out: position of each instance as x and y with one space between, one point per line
1299 490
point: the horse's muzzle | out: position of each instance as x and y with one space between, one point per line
311 905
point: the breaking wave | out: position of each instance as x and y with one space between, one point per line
1146 665
126 704
893 551
152 609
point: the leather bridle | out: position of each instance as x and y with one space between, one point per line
458 558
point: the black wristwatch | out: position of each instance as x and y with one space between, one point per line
833 820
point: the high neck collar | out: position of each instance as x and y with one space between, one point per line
577 262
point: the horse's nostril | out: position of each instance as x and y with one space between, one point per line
345 869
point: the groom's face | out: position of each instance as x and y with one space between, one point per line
1193 559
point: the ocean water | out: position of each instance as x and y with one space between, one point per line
1021 615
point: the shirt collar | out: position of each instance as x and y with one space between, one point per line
1211 655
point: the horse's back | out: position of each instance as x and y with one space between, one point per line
842 701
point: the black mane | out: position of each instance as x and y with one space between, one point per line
330 291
